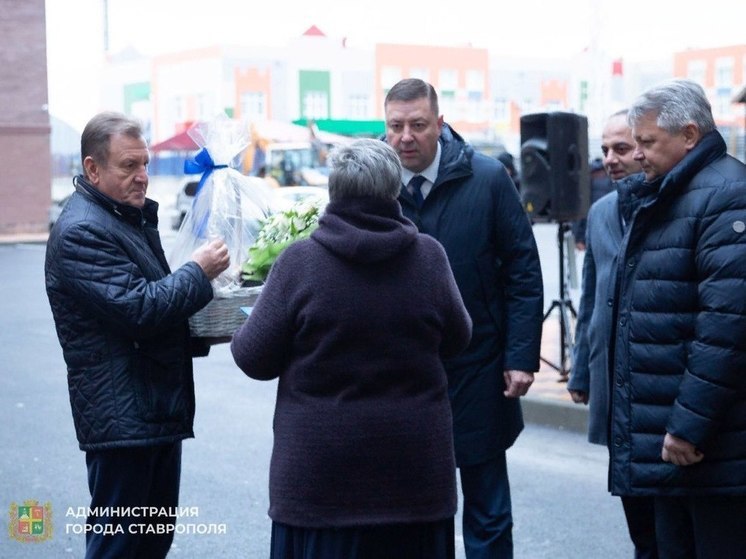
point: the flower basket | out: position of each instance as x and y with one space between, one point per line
223 315
278 231
227 205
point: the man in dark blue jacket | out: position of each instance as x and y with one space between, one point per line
121 319
467 202
589 381
678 353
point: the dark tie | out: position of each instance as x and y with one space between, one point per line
416 184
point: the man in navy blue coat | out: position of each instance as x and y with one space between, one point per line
467 201
678 346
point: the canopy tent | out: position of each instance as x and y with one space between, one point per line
269 130
181 142
277 131
356 128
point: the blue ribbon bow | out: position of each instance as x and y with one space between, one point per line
202 163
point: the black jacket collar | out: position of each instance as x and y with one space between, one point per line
148 215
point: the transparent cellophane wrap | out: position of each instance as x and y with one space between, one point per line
228 206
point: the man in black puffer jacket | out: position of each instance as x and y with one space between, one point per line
678 354
121 319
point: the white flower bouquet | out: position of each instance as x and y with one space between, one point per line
278 231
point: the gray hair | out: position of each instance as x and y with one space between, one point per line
412 89
96 138
366 167
676 103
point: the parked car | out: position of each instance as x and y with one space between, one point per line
56 209
184 200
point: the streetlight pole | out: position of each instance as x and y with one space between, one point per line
106 25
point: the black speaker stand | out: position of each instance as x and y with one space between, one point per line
567 313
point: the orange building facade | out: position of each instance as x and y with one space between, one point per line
459 75
722 72
252 96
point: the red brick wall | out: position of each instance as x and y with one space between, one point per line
25 161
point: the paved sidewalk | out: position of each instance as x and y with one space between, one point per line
23 238
548 402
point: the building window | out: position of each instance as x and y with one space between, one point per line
357 107
447 85
475 81
447 102
389 76
722 106
474 95
420 74
448 80
474 106
178 109
315 105
696 70
314 93
724 73
253 105
204 106
500 110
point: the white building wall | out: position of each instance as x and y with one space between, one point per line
129 67
351 72
210 81
187 91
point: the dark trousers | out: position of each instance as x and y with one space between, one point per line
640 514
487 514
701 527
416 540
125 478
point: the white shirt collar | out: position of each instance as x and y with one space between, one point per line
430 172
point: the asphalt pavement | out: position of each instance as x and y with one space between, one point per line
558 479
547 403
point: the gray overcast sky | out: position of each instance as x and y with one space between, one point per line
632 29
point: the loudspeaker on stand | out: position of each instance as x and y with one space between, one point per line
555 177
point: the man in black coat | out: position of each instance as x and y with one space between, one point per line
121 319
678 348
467 202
